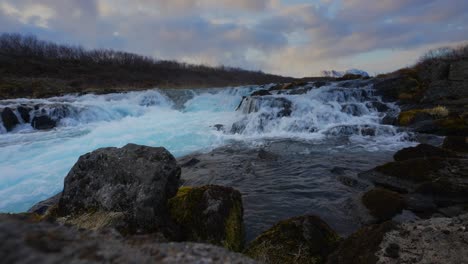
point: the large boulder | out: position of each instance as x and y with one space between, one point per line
43 122
423 151
126 188
304 239
210 214
26 241
383 204
9 119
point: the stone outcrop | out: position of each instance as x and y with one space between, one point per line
24 240
125 188
303 239
210 214
435 240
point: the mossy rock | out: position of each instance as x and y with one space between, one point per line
409 117
303 239
210 214
383 204
360 247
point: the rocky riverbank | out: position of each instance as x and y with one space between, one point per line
413 209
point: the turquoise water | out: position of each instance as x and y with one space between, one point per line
34 163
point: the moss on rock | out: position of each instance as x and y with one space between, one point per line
303 239
210 214
383 204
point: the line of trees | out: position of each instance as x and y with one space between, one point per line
17 45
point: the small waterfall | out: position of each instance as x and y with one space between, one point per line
331 110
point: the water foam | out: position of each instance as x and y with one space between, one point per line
33 163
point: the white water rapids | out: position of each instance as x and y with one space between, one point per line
34 163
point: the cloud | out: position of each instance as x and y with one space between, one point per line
291 37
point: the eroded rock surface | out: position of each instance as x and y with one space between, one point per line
126 188
26 241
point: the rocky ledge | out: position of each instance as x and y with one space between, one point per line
125 204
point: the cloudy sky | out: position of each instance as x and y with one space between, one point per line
288 37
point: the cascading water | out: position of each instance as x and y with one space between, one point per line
33 163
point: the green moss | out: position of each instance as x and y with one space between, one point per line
235 228
305 239
405 118
223 226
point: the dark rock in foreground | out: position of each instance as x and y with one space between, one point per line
304 239
435 240
125 188
210 214
360 247
26 241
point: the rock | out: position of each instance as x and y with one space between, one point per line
379 106
126 188
361 247
9 119
43 122
219 127
26 241
190 163
254 104
319 84
349 76
287 86
389 120
444 180
210 214
42 207
265 155
260 93
456 143
459 71
383 204
303 239
423 151
444 90
435 240
392 89
24 112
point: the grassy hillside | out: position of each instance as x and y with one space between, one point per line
33 68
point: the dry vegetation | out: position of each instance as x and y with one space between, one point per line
33 68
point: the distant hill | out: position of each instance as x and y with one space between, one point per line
34 68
